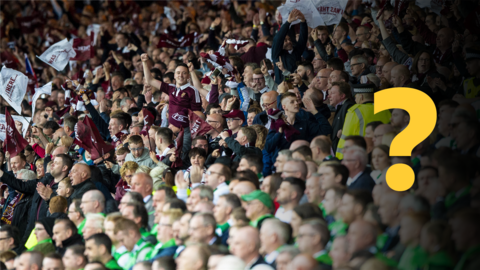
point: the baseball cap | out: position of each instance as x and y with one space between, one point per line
258 195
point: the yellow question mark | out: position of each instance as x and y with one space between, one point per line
423 118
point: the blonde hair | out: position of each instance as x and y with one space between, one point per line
128 166
66 141
261 135
143 169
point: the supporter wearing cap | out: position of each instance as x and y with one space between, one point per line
360 114
258 208
288 196
98 248
235 119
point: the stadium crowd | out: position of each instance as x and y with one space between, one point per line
254 147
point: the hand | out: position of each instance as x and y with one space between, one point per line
144 57
278 17
180 181
153 156
262 15
102 107
329 49
264 68
148 95
196 174
314 34
307 101
7 156
107 67
108 164
280 64
216 22
191 68
301 16
339 133
397 22
297 79
132 47
256 20
230 103
44 191
49 148
224 135
293 16
216 153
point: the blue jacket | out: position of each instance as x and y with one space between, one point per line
308 130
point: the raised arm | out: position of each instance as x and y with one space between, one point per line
146 71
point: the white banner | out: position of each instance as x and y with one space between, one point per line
46 89
331 11
20 122
95 28
308 9
58 55
14 86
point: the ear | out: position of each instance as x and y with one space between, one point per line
338 178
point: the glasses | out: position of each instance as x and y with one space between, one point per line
165 225
322 77
378 67
210 121
128 176
136 149
5 238
352 65
258 79
266 105
303 235
233 119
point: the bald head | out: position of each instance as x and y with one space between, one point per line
95 196
250 235
79 173
142 183
59 150
387 68
295 168
243 187
270 97
399 75
324 74
296 144
303 262
445 38
379 132
315 95
311 168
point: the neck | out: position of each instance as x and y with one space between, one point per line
106 258
78 221
235 130
336 215
259 215
214 133
310 78
321 157
249 259
443 49
291 117
272 248
289 206
353 173
367 100
163 147
316 249
60 178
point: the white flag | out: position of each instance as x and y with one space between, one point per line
20 122
307 8
14 86
95 28
46 89
331 11
58 55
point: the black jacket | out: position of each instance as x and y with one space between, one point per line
75 239
20 213
259 261
338 121
80 189
363 182
38 205
240 150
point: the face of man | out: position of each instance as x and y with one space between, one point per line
136 149
247 71
114 126
323 77
220 211
87 205
339 253
59 233
92 251
313 191
126 239
212 177
290 170
121 41
6 242
259 82
279 162
283 260
357 68
61 100
335 96
188 259
109 230
290 105
239 246
121 159
346 209
304 238
70 260
243 165
269 102
76 175
318 63
165 231
17 163
197 231
181 75
287 44
284 193
194 197
139 185
90 229
202 144
331 202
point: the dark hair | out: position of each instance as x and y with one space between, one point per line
361 197
101 239
177 204
197 152
78 250
169 193
77 203
308 210
136 197
51 124
140 211
297 184
66 160
199 138
374 124
12 232
232 200
304 150
414 68
169 75
254 160
136 90
357 140
166 134
157 74
339 169
166 263
307 65
69 225
212 106
250 176
124 118
250 133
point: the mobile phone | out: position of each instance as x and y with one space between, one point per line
11 45
215 73
288 78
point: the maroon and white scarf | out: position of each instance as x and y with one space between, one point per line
8 214
118 136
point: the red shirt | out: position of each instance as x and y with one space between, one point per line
183 97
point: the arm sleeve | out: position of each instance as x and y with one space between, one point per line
213 94
408 44
235 146
428 36
182 194
273 140
99 122
28 187
237 19
266 29
140 101
321 127
278 41
321 50
302 41
212 41
270 83
255 34
397 55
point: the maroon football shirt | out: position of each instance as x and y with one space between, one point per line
185 96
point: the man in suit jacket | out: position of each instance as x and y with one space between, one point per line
355 159
340 97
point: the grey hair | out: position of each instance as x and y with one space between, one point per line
27 174
358 153
286 153
205 192
98 219
415 203
124 101
293 251
360 59
279 228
